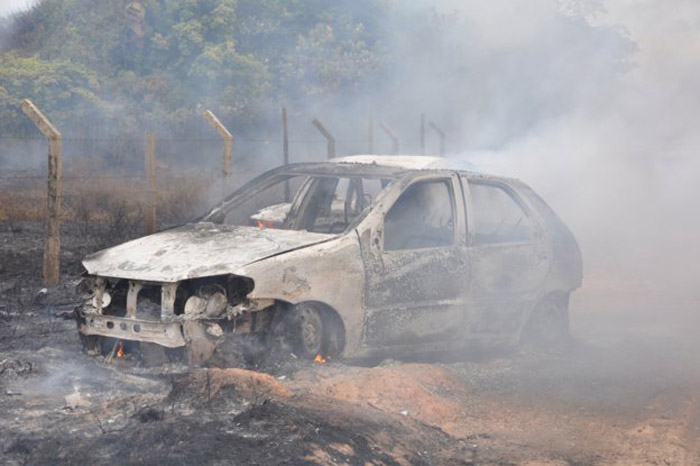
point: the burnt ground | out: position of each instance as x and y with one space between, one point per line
627 392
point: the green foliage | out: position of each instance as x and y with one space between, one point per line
121 66
336 39
60 87
158 60
227 79
324 65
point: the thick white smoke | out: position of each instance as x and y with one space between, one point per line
7 7
620 166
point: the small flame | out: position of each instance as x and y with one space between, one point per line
319 359
120 350
262 224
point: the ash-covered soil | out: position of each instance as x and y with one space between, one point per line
626 393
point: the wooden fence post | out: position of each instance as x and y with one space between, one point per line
394 139
227 137
151 183
285 152
228 141
440 133
326 134
52 248
422 133
285 138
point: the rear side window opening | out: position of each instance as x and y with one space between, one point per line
497 216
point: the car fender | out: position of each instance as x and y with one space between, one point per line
331 273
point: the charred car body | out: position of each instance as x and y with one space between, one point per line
344 259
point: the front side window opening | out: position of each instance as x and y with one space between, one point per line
320 204
422 217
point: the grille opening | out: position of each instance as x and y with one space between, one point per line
180 298
118 291
148 304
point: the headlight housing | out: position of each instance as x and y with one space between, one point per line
210 301
106 300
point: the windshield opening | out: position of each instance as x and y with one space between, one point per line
315 203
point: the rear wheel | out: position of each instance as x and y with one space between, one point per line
548 327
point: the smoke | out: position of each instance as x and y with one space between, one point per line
619 166
9 7
591 103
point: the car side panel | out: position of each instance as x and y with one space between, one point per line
414 296
567 266
509 278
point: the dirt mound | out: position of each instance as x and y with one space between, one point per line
426 393
218 384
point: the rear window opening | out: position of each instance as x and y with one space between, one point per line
497 216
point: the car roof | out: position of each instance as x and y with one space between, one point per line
406 162
389 166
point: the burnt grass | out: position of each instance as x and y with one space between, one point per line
59 406
268 433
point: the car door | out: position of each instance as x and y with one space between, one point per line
510 257
416 272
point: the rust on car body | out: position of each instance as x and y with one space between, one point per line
347 258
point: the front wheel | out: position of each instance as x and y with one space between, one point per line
302 329
548 326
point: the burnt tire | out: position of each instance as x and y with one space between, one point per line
548 326
301 329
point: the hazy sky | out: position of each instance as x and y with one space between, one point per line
9 6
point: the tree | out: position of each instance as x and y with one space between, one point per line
63 89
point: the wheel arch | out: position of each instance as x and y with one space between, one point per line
560 296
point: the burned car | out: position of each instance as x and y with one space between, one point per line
348 258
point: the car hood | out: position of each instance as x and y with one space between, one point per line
195 250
